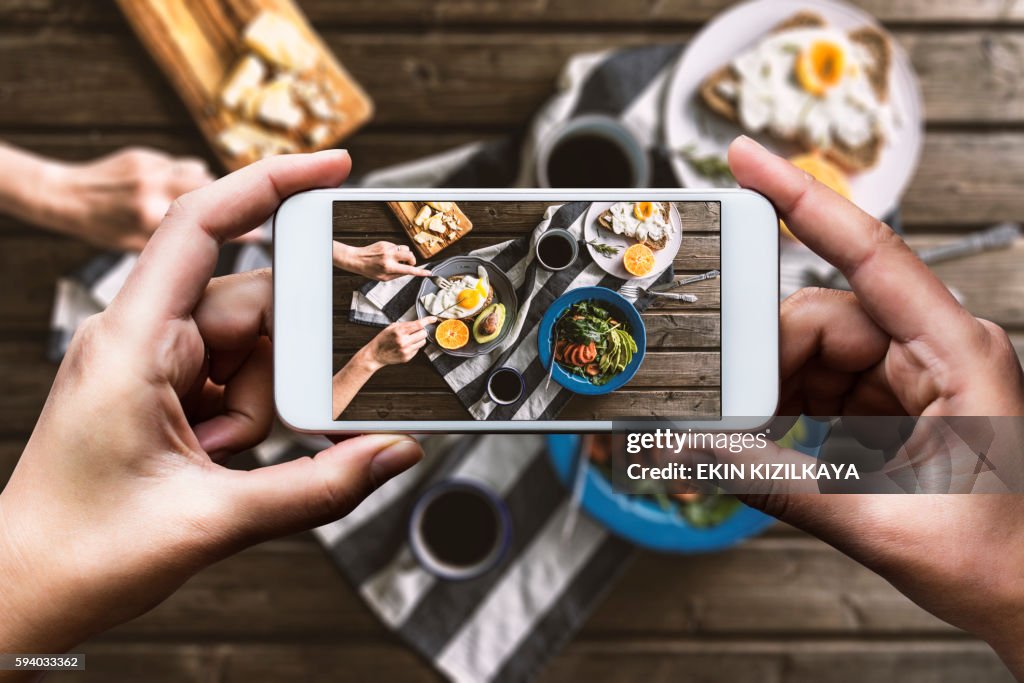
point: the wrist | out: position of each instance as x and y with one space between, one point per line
39 190
23 629
344 257
366 361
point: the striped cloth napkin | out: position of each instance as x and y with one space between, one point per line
501 626
380 303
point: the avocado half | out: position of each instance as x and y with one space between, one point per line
489 323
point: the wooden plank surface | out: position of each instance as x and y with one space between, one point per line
584 15
968 77
966 179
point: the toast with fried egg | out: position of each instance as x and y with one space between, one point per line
660 212
720 92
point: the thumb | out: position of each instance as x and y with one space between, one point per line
309 492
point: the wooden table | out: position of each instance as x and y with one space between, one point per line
75 83
681 372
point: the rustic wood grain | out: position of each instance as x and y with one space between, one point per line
446 80
966 178
793 586
581 14
444 405
659 369
771 661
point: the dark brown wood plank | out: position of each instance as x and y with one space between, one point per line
578 13
771 586
93 78
659 369
812 661
443 405
965 179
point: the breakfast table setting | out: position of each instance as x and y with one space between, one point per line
571 596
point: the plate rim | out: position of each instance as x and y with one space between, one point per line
421 312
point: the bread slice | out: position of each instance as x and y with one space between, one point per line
605 221
872 39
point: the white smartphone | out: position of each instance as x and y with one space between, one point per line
544 310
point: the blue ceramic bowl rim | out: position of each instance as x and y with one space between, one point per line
614 300
642 521
504 519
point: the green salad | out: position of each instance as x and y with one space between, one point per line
590 343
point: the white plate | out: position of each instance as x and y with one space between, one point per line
688 122
613 265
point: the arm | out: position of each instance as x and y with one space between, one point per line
115 202
397 343
23 174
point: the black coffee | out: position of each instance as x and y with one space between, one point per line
506 386
555 251
460 528
588 160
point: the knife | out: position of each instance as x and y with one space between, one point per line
710 275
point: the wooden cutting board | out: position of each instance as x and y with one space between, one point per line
198 42
406 213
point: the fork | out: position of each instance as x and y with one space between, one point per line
442 282
634 292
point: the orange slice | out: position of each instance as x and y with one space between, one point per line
820 67
825 172
638 260
643 210
452 334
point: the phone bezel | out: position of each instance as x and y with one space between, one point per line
303 315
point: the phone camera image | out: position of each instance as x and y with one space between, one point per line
525 310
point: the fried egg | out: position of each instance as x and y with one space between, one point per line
640 221
811 83
466 297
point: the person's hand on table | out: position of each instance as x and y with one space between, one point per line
379 261
114 202
119 496
396 344
898 344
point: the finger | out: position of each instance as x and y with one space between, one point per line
235 312
308 492
248 407
419 335
176 265
829 325
403 255
403 269
880 267
422 322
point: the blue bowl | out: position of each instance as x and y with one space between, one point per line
645 523
617 305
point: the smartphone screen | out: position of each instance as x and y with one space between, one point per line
533 310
